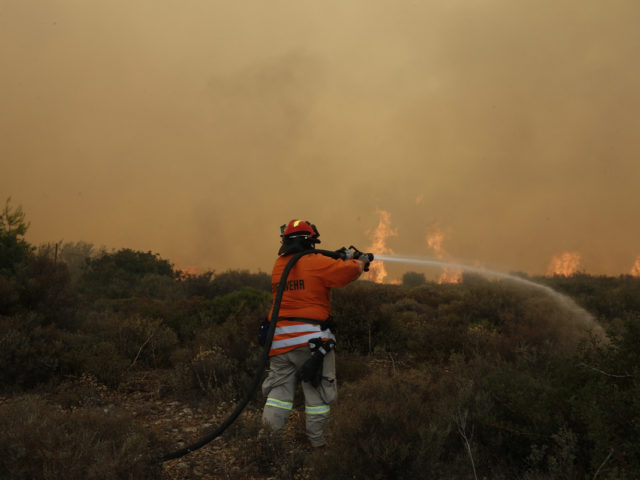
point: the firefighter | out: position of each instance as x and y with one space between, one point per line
302 347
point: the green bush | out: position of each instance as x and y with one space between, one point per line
222 360
608 298
45 288
33 354
84 353
41 441
241 302
362 326
188 316
523 410
9 295
29 352
103 360
125 273
39 285
208 285
134 306
144 342
604 392
232 280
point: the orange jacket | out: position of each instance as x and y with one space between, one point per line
307 295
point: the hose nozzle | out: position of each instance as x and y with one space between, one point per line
357 253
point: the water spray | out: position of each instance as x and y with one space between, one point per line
566 302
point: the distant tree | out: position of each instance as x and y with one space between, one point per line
30 282
197 285
413 279
45 288
233 280
119 274
76 255
14 249
210 284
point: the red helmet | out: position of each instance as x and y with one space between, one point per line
299 228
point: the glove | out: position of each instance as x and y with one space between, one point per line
345 253
366 258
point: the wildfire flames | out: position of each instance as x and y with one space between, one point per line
448 275
377 271
635 271
565 264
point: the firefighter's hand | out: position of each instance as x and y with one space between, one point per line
366 259
345 253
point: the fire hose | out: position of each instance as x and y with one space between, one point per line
343 253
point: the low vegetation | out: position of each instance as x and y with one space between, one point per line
482 379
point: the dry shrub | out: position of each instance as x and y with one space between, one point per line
350 367
103 360
73 392
208 372
263 453
223 360
41 441
362 326
142 341
145 341
32 354
213 372
391 427
29 353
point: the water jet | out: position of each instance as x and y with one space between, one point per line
589 323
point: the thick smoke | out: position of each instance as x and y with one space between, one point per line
195 129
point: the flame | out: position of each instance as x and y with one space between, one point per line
635 271
565 264
419 199
450 275
435 240
377 271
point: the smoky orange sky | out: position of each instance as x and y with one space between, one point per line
195 128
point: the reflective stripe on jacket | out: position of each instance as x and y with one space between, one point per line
307 295
291 334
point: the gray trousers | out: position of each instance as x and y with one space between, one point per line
280 386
